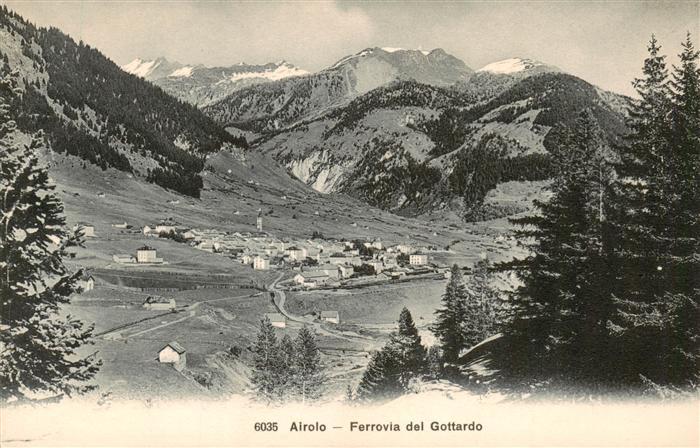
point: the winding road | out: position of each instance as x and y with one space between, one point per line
279 298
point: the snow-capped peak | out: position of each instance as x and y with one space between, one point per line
369 51
394 50
140 67
512 65
182 72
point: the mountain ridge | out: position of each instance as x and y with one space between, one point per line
201 85
85 105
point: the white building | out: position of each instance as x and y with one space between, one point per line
174 354
312 279
147 254
330 316
85 229
123 258
261 264
418 259
296 253
163 228
277 320
86 282
345 271
159 304
339 258
209 246
404 248
377 265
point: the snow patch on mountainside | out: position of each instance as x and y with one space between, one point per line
184 72
139 67
366 52
282 71
512 65
394 50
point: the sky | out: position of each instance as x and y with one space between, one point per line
601 42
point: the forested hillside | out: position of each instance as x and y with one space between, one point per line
87 106
413 148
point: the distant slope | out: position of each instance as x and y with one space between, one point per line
87 106
414 148
274 106
200 85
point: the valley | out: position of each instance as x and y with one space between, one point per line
211 198
209 319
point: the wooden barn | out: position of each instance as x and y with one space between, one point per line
174 354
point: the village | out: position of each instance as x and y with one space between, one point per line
317 262
297 265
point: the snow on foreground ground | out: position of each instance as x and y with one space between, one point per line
440 415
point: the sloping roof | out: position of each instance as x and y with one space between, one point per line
314 274
276 317
331 314
145 248
175 346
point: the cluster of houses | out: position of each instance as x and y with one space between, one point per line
320 262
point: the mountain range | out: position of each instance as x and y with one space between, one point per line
403 129
201 85
414 132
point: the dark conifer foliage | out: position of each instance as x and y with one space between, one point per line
657 226
266 361
127 110
564 304
391 369
287 370
309 375
610 294
448 326
38 357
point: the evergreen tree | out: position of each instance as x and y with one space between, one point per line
448 326
434 361
484 307
38 348
285 369
657 225
307 363
391 369
561 311
265 377
382 379
408 344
